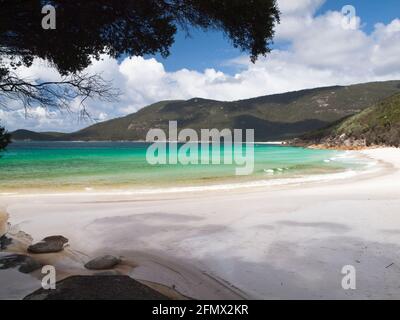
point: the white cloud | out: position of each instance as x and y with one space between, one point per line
320 53
299 7
386 49
295 16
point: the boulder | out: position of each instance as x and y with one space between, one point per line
98 288
49 245
102 263
25 264
46 247
56 238
109 273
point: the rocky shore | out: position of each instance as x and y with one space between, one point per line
342 142
104 282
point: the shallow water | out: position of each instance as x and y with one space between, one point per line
91 165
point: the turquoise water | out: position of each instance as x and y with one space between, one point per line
82 165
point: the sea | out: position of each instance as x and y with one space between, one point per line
123 167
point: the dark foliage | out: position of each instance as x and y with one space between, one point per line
87 29
5 138
131 27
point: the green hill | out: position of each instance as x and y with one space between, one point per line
377 125
274 117
26 135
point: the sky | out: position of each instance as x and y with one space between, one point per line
313 47
212 49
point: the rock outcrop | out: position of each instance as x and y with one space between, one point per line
102 263
342 142
50 244
98 288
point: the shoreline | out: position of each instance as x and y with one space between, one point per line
267 248
265 173
226 184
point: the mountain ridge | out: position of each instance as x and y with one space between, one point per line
23 134
274 117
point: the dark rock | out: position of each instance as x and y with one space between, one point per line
4 242
56 238
102 263
46 247
98 288
49 245
109 273
25 264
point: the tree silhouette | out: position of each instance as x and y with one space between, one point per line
87 29
5 138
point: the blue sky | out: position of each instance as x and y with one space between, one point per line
370 11
204 50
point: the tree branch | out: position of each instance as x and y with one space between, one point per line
56 94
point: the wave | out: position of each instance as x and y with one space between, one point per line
275 170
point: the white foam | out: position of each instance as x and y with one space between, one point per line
269 171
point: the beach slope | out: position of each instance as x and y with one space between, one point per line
282 242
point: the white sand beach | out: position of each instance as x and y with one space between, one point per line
276 242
